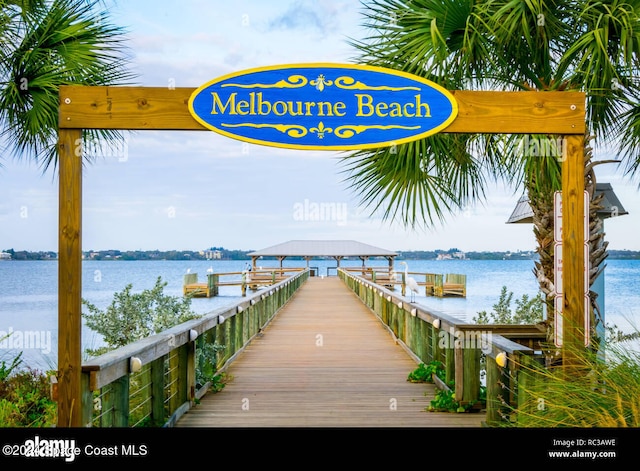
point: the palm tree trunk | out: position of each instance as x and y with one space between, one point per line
597 248
543 228
543 220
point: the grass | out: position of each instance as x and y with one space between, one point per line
595 392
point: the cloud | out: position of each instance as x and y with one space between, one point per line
304 16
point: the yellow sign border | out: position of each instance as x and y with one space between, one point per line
387 71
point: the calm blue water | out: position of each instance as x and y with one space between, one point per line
28 292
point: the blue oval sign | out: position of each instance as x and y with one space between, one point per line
323 106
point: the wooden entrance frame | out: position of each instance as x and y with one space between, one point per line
159 108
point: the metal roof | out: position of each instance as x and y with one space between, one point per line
323 248
611 206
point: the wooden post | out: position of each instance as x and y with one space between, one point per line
70 278
573 262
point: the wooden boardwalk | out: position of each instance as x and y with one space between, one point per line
324 361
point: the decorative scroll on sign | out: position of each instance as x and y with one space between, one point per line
323 106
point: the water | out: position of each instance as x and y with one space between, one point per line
28 292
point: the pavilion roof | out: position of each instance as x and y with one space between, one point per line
323 248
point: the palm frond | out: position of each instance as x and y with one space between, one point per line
417 183
55 43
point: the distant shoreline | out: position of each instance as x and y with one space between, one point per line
224 254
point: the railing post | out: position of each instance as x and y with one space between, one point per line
471 375
497 382
120 391
191 371
213 279
158 413
87 400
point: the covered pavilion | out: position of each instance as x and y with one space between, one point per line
337 249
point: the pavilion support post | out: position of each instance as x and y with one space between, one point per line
69 278
573 252
364 259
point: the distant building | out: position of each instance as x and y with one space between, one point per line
5 256
452 256
213 254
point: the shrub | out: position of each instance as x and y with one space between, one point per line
24 397
528 310
133 316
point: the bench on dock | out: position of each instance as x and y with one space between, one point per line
430 282
454 284
248 279
191 286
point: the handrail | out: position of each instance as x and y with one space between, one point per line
429 335
164 364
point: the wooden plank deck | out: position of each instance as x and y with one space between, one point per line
324 361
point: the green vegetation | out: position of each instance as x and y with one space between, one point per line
24 396
528 310
228 254
594 393
47 44
133 316
424 373
444 400
24 393
206 367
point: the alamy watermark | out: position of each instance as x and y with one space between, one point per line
467 339
26 340
103 148
542 146
320 211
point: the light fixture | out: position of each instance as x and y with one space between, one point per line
414 311
193 334
501 359
400 304
253 301
239 309
436 323
388 298
135 364
220 319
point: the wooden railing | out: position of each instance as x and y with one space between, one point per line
153 381
434 284
254 279
467 351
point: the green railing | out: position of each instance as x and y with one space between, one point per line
153 381
469 352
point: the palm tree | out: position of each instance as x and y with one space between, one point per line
502 45
43 45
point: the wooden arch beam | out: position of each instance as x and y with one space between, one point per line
161 108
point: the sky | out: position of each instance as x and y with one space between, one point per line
194 190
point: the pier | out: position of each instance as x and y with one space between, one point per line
325 360
313 352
